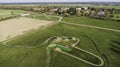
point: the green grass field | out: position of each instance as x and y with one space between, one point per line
44 17
93 40
7 13
93 22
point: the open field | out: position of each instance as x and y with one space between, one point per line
7 13
93 22
36 39
93 40
17 26
45 17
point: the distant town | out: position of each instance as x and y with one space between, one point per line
88 11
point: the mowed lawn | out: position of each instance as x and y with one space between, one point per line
44 17
8 13
91 40
93 22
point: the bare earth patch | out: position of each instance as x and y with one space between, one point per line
17 26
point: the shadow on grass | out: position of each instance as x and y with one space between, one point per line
115 46
115 50
116 42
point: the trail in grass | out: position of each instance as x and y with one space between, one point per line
96 27
97 49
73 56
84 25
5 44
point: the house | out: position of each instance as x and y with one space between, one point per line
85 8
93 13
24 15
100 13
78 9
55 9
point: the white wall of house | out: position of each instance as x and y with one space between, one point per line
78 9
23 15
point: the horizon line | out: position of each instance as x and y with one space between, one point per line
59 2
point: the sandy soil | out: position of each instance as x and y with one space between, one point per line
17 26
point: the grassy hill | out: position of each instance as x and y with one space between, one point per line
101 40
7 13
93 40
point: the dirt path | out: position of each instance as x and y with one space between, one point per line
96 27
84 25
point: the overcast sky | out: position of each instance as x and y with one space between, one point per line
6 1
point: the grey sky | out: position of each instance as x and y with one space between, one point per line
6 1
